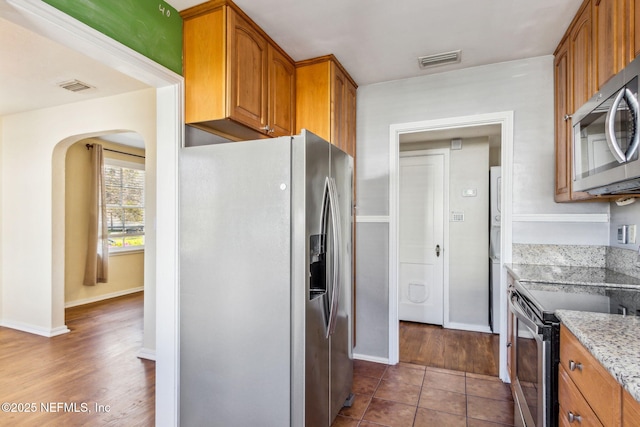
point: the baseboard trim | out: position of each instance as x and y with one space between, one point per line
103 297
468 327
368 358
36 330
147 353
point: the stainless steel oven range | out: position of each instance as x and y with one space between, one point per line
536 340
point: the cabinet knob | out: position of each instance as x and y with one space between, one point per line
567 117
509 344
574 417
573 366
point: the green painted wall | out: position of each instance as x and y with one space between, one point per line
150 27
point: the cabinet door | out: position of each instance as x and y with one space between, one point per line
630 410
247 62
350 118
204 66
282 94
573 87
574 409
562 126
608 39
581 62
595 383
338 108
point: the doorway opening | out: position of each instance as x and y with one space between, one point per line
126 192
169 86
415 132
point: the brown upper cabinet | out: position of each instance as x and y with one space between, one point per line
573 86
238 82
326 101
562 123
602 39
608 39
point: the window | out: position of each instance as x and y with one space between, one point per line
124 182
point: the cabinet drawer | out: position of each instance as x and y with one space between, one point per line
573 403
598 387
630 411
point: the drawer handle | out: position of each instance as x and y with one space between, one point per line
573 366
574 417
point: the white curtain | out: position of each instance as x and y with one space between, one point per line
97 262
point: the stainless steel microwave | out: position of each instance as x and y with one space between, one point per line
606 137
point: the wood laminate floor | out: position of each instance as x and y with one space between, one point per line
88 377
434 346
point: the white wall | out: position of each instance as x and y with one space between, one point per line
525 87
32 176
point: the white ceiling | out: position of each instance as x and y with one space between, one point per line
381 40
375 40
32 66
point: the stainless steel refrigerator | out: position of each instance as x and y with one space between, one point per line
265 282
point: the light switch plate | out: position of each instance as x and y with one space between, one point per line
457 216
623 237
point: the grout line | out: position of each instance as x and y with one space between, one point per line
374 393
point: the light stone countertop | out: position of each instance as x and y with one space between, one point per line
613 339
569 275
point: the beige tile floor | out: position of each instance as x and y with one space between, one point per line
407 395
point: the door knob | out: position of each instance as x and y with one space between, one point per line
437 250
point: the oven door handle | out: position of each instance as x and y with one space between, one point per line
533 326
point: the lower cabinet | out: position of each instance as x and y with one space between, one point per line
574 408
630 411
588 394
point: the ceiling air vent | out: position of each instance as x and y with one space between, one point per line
440 59
75 86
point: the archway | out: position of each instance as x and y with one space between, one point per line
59 237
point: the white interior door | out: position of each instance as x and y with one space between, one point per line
421 265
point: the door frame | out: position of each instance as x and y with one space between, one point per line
505 120
445 152
56 25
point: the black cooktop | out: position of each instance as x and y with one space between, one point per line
544 299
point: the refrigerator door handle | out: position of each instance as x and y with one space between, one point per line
337 253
